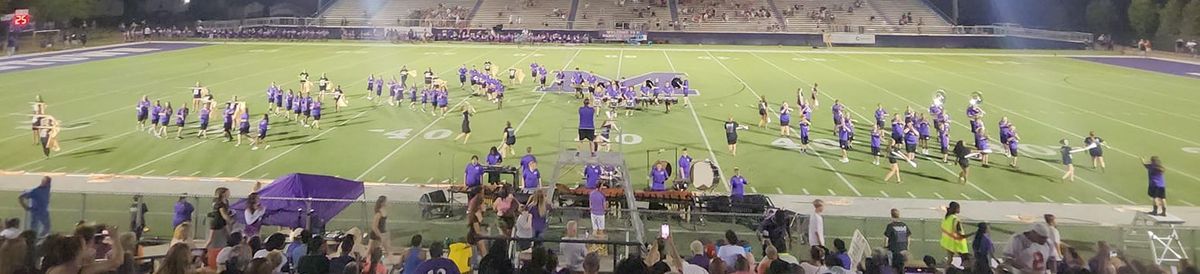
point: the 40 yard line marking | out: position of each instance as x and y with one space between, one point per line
756 95
704 136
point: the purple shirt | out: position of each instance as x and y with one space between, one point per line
596 202
204 115
525 160
737 186
587 116
658 180
437 265
1156 177
685 165
183 213
473 172
533 179
875 139
494 159
591 174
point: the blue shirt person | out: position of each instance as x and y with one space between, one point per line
36 202
737 184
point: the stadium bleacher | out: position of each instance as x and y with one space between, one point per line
441 13
532 14
727 16
349 12
603 14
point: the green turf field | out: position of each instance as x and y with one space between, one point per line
1048 98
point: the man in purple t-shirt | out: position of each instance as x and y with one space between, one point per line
183 211
596 204
737 184
591 176
472 173
587 127
528 158
437 264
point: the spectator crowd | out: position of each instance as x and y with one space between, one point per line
235 245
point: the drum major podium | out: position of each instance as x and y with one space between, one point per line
1164 248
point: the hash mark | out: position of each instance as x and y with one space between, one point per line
1077 201
939 195
885 194
965 196
910 194
1019 198
1103 201
1047 198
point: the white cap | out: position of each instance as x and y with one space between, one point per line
261 253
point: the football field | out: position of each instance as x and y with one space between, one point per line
1049 96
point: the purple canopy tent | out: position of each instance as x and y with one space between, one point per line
294 190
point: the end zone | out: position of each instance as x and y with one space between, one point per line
76 56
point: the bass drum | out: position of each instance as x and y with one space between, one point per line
704 175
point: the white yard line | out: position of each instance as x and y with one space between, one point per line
297 146
756 95
700 127
543 96
1047 199
1102 200
939 195
1090 112
960 124
194 173
164 157
965 196
778 190
1077 201
1019 198
885 194
911 195
1187 203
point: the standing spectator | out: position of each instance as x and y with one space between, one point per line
253 214
1179 45
379 231
597 205
506 210
954 241
982 248
218 226
731 250
1054 241
36 202
896 237
1191 47
183 211
137 216
12 229
1027 251
573 252
539 208
816 224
